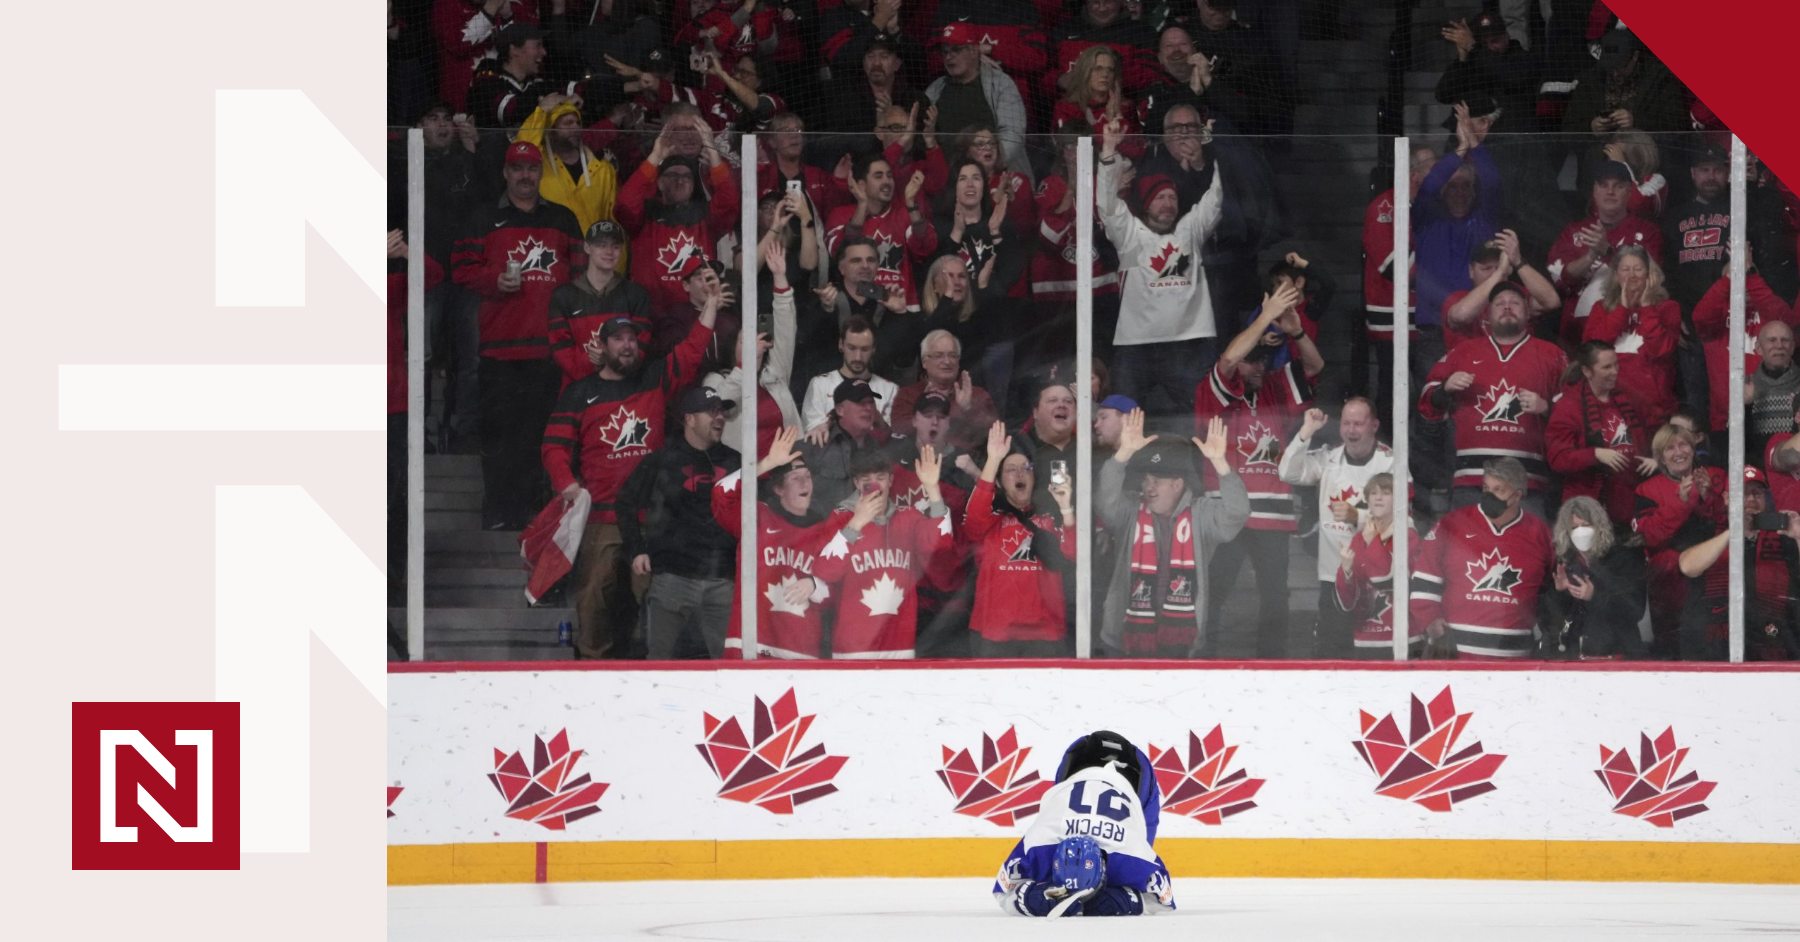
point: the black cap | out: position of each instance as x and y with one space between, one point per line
677 160
1486 25
1506 286
438 107
1164 459
618 325
1263 351
658 59
1612 170
932 402
702 399
882 42
1711 153
606 231
853 390
1616 48
516 31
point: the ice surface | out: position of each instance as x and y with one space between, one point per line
944 910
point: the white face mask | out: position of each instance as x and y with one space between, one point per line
1583 538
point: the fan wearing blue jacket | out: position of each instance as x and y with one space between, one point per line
1091 849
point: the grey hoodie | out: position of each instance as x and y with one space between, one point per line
1217 519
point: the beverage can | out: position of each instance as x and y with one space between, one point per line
564 634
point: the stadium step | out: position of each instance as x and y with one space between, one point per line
472 540
474 596
510 561
447 576
437 499
450 520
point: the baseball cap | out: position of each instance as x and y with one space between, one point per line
438 107
676 161
696 264
524 152
853 390
932 402
1753 473
702 399
959 34
1711 153
658 59
618 325
1164 459
882 43
1612 170
1616 48
516 31
1486 25
1119 403
606 231
1508 285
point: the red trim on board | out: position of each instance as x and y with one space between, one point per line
543 862
1523 664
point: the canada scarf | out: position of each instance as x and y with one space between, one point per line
1153 623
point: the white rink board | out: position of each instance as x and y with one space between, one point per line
1293 728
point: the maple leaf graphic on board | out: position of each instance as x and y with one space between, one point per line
1421 768
767 770
884 597
1201 788
1649 790
546 793
999 790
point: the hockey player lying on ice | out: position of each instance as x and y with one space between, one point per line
1091 849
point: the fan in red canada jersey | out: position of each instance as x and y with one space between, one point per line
1479 572
788 540
876 558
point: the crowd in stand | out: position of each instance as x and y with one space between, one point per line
914 319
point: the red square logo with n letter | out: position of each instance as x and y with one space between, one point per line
155 786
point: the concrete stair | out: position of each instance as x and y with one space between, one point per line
475 580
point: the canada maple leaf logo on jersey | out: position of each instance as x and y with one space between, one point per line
838 548
532 255
1259 445
1350 495
1170 262
1017 545
884 596
1630 341
887 254
1501 403
625 430
1493 573
1615 433
676 253
777 594
911 497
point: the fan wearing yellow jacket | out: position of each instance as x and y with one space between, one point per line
589 196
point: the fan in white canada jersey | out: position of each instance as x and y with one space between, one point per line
1091 849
